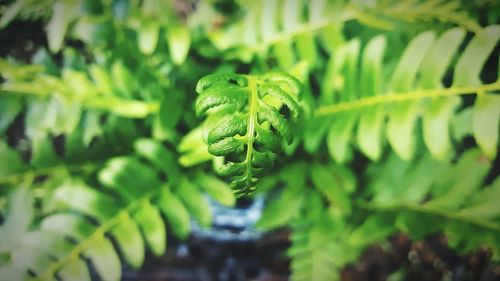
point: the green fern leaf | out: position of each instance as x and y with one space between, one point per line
128 209
429 190
415 89
247 107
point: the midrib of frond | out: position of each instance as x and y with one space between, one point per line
137 108
405 96
252 122
74 254
351 12
44 171
431 210
422 11
311 27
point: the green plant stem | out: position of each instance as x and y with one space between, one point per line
351 12
123 107
44 171
426 209
405 13
252 115
312 27
48 274
401 97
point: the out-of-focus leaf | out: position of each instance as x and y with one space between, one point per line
128 238
82 198
437 59
484 204
195 202
469 66
120 9
11 12
129 177
283 51
436 119
11 160
153 228
437 114
371 120
43 153
193 148
339 135
18 218
375 227
10 107
178 39
176 213
306 47
104 258
159 156
167 117
92 127
279 211
64 12
75 270
148 37
400 127
473 164
325 181
216 188
486 118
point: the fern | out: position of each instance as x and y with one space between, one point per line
326 232
127 208
25 9
245 119
408 94
330 228
88 180
291 31
383 13
428 190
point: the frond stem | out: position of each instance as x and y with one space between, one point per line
351 12
130 108
250 135
48 274
44 171
405 96
422 208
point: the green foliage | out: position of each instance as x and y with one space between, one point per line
405 96
428 190
103 151
127 206
247 126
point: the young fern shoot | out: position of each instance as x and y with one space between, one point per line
248 129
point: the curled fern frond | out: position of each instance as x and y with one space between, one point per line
250 127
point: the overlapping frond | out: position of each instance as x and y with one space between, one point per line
290 31
84 220
94 22
358 101
427 190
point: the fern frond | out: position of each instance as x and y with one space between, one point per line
75 89
247 116
428 190
27 10
291 31
381 14
83 218
415 89
314 252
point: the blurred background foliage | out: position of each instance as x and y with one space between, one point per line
102 156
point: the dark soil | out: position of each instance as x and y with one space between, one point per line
265 260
